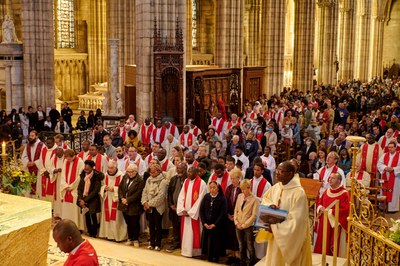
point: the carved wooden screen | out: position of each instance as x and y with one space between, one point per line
168 76
207 86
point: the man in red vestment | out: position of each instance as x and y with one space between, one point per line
335 192
69 240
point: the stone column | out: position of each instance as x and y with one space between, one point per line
346 40
378 16
9 96
146 12
363 23
38 41
304 26
121 24
97 42
327 41
253 32
273 18
189 32
113 81
229 33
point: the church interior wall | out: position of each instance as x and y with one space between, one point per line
391 43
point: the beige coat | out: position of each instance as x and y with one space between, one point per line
248 215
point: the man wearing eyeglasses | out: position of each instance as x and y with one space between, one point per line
290 244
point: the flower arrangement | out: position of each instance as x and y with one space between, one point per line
15 180
394 231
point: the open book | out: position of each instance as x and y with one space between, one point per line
267 215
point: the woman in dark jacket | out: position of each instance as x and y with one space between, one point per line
91 120
129 195
88 196
213 214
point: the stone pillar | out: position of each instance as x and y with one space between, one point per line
378 16
327 41
113 82
97 42
363 23
253 32
121 24
229 33
38 41
303 54
146 12
346 40
189 32
273 18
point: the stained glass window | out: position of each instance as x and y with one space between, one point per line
194 23
64 24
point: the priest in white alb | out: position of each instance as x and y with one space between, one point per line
121 159
188 207
70 178
55 175
367 159
45 185
325 172
99 160
84 153
135 158
389 167
290 243
112 225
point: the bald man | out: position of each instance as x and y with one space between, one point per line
69 240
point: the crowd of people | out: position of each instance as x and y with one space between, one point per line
207 184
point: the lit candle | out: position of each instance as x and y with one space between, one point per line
3 148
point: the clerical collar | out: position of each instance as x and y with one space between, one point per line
112 174
77 247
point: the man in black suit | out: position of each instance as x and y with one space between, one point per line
129 202
88 196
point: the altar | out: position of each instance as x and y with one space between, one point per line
25 226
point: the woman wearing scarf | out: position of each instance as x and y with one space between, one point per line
154 198
88 196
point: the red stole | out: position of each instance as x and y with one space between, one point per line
224 180
137 162
195 223
189 139
322 173
123 134
70 178
220 125
149 158
33 169
230 124
375 158
146 134
98 162
260 187
81 154
196 131
389 184
113 215
164 166
383 143
47 186
162 134
172 129
360 175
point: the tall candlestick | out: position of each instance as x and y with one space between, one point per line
3 148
